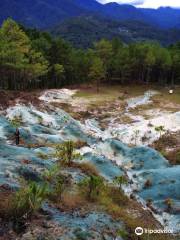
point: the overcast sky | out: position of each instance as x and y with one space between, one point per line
147 3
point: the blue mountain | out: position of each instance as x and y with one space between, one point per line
48 13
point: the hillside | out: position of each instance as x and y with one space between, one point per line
38 13
83 31
89 138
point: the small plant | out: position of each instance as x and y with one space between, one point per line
65 153
28 199
149 202
169 203
122 233
145 138
163 153
120 180
42 155
160 130
40 120
16 207
50 174
57 182
59 187
91 186
16 122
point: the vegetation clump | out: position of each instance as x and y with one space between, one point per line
16 122
121 180
169 203
66 154
22 205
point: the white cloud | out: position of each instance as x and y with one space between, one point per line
147 3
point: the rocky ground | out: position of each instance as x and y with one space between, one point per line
103 124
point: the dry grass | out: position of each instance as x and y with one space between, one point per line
6 199
132 214
72 201
113 201
165 96
86 168
79 144
169 146
109 93
173 156
165 141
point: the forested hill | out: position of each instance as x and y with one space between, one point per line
47 13
84 30
30 59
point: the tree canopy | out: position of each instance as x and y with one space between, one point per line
31 59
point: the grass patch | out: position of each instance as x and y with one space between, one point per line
72 201
165 141
174 98
110 93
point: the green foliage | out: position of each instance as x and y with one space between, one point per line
59 186
18 59
59 73
91 186
56 181
160 129
65 153
32 59
169 203
83 31
50 174
123 233
97 72
103 50
28 199
40 119
16 122
120 180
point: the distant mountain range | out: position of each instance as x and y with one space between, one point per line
69 14
46 13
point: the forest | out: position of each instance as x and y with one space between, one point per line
31 59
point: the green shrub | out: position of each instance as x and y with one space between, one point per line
120 180
65 153
16 122
28 199
50 174
57 182
91 186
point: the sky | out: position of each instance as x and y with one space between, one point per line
147 3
